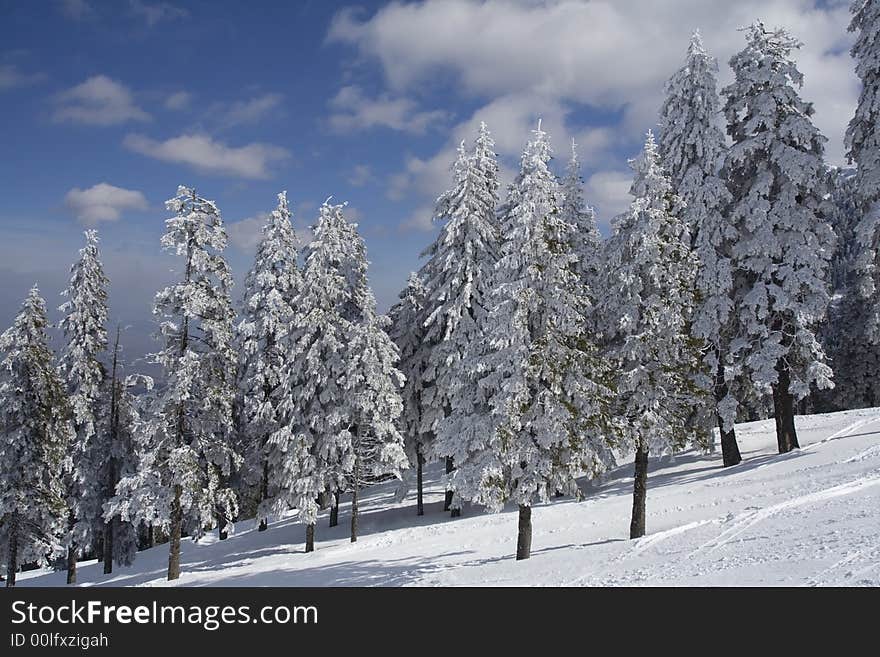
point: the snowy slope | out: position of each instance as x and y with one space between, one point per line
811 517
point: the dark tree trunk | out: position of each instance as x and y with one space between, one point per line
420 504
640 489
524 536
450 466
151 536
310 537
264 494
783 406
222 522
12 552
108 547
71 551
176 530
334 510
354 492
729 449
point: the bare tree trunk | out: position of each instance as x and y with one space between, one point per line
108 547
355 487
729 449
450 466
640 489
264 494
176 530
310 537
334 510
222 523
783 406
420 504
71 550
524 536
12 551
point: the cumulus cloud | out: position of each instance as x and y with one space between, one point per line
249 111
205 154
98 101
178 100
152 14
353 111
103 202
245 234
360 175
11 76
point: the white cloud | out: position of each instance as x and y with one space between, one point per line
103 202
76 9
250 111
98 101
11 77
421 219
360 175
608 193
353 111
155 13
245 234
205 154
178 100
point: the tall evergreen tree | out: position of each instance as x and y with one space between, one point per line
83 372
180 483
271 288
574 210
335 339
407 331
783 242
543 379
35 431
692 147
458 282
649 292
863 149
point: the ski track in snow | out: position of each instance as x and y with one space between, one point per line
810 517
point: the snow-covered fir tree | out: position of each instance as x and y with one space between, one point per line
575 211
113 457
649 296
271 288
692 146
863 149
180 484
408 332
374 385
83 373
35 431
543 378
458 281
313 452
783 242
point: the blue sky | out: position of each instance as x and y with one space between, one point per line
105 107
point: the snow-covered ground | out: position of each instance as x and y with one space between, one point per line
811 517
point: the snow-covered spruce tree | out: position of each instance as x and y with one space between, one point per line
83 373
574 210
312 452
458 281
111 457
374 385
35 431
783 243
542 378
863 149
407 330
692 146
180 482
271 288
649 290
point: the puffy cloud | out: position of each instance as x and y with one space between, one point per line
103 202
205 154
98 101
155 13
11 77
360 175
353 111
249 111
178 100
